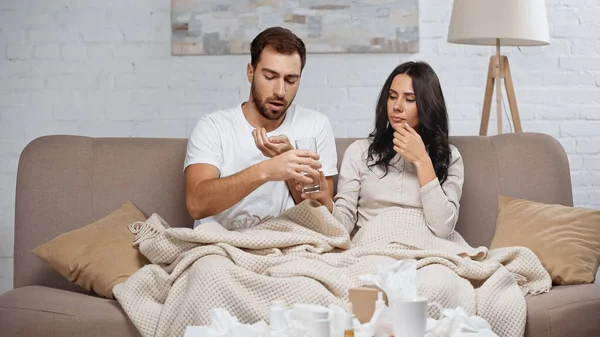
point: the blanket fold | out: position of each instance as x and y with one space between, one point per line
307 256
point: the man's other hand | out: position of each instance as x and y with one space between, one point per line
293 164
271 146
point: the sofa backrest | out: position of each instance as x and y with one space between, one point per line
66 182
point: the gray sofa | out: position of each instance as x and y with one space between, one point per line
65 182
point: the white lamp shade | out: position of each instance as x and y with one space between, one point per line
514 22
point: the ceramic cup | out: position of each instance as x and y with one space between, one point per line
409 317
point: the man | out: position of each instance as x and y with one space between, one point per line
240 164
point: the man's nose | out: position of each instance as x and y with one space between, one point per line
279 89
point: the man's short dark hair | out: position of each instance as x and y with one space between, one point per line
282 40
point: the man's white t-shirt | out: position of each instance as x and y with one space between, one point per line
224 140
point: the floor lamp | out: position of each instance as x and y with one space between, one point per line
499 23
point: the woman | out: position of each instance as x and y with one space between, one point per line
406 161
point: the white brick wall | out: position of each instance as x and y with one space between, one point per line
103 68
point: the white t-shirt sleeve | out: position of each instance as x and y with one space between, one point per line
326 147
204 145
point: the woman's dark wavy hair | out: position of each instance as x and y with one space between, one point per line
433 118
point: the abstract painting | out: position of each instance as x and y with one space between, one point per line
218 27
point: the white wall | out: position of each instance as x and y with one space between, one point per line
103 68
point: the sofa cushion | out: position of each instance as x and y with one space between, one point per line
565 239
97 256
564 311
41 311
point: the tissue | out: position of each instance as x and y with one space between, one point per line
300 317
398 280
457 323
338 319
299 323
223 324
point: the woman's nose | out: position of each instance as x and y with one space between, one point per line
398 106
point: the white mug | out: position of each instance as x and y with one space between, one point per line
409 317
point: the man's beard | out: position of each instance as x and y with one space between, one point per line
262 105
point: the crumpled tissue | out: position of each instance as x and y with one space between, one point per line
399 282
298 323
398 279
457 323
380 325
223 324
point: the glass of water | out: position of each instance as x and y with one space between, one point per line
309 143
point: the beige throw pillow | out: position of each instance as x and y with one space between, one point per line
565 239
98 256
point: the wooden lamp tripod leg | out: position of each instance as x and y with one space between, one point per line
489 93
487 100
510 93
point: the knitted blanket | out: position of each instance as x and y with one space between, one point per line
307 256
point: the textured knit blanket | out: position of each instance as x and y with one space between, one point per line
307 256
